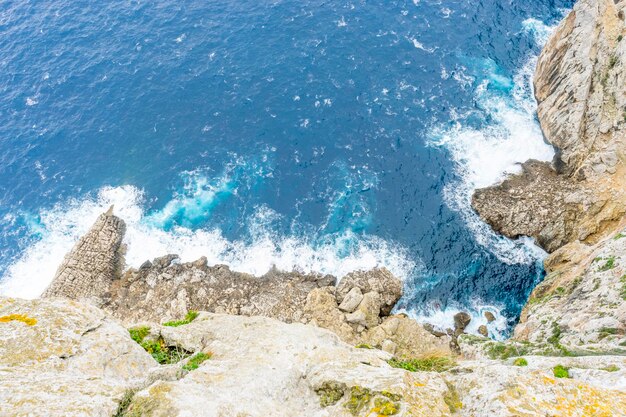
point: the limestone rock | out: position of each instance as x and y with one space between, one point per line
95 261
62 358
378 280
581 304
490 317
580 85
352 300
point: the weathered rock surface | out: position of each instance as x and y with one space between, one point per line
90 268
82 363
580 85
165 289
581 305
62 358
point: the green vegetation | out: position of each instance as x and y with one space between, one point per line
610 368
607 331
364 346
427 364
622 292
613 61
191 316
560 371
608 265
359 399
619 38
195 361
619 236
520 362
499 350
139 333
160 352
124 403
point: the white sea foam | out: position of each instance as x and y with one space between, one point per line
444 319
64 224
487 155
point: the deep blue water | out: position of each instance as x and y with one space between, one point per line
348 133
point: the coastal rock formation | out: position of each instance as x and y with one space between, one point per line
90 268
581 305
357 309
575 207
580 85
62 358
85 364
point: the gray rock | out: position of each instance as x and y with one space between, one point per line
90 268
352 300
370 306
389 347
358 318
379 280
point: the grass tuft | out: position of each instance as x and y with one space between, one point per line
425 364
191 316
195 361
561 371
520 362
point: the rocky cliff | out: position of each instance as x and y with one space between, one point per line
580 85
575 207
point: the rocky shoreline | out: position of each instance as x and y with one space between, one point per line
192 339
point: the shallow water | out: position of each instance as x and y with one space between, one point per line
321 136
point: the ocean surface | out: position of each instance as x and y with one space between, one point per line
324 136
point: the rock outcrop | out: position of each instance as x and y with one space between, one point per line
575 207
580 85
82 363
62 358
357 309
89 269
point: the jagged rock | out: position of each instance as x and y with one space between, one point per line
581 304
370 307
580 84
95 261
358 318
62 358
378 280
351 301
431 329
482 330
461 320
490 317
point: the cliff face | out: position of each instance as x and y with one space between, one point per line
575 207
580 85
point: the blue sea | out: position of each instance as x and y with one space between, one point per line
318 136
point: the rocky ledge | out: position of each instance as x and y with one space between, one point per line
63 358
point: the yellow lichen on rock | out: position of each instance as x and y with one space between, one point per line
19 317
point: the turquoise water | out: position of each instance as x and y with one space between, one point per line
322 136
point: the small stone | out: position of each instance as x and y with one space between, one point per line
200 263
389 346
490 317
358 317
352 300
483 330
